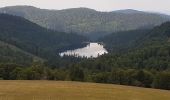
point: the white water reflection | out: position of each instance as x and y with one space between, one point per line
91 50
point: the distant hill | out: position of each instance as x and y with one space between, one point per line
23 36
129 11
86 21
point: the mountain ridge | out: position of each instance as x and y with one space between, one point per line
85 21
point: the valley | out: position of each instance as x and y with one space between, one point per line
84 50
136 50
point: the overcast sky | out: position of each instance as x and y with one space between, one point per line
162 6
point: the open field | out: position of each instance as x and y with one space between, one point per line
59 90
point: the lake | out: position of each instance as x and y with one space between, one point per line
91 50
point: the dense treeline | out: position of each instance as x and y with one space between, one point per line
134 77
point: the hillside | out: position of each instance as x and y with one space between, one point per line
54 90
86 21
151 51
12 54
34 39
129 39
122 41
146 63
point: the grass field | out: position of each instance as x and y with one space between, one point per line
58 90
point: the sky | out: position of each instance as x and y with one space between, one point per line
162 6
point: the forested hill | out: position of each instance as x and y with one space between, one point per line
12 54
161 32
135 38
148 64
152 51
86 21
122 41
34 39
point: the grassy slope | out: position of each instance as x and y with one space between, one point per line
57 90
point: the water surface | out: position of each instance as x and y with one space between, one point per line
91 50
